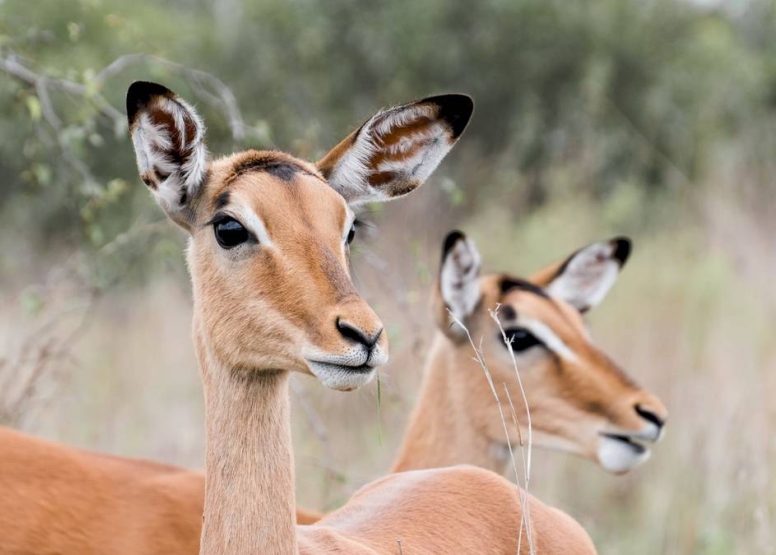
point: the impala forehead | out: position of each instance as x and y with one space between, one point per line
550 313
285 209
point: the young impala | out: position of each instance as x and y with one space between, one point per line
268 256
579 399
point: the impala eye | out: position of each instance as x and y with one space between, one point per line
521 339
230 233
352 233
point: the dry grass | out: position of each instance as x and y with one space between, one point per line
525 449
692 317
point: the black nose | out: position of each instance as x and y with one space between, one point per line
353 333
650 416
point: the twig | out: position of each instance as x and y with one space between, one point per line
11 65
206 86
44 346
494 316
480 358
526 459
223 97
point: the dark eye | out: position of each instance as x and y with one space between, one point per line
521 339
230 233
352 233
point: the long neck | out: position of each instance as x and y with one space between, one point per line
249 483
444 428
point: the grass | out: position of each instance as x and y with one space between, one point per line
525 450
692 317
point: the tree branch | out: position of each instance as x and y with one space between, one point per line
206 86
222 96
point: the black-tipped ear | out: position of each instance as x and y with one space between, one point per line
168 137
459 283
396 150
452 238
622 249
585 277
455 109
140 94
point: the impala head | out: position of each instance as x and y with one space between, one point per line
270 234
580 400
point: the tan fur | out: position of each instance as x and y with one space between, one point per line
58 499
454 510
251 411
456 419
262 311
259 312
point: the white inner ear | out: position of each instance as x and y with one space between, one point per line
459 279
154 148
352 172
587 277
151 141
422 164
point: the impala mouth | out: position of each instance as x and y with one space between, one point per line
637 447
620 453
343 377
364 368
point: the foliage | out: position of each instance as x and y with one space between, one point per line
651 118
621 91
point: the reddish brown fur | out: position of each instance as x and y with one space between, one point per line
63 500
252 321
256 311
456 419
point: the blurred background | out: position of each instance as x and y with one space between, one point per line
649 118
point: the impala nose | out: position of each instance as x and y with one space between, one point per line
652 416
356 334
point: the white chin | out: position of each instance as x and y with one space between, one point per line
342 378
620 456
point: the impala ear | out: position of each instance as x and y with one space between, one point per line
168 137
395 151
459 283
585 277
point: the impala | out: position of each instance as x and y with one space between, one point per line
579 400
268 256
95 503
58 499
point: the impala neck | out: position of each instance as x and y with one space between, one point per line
444 430
249 483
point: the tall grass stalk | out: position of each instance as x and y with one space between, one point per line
525 523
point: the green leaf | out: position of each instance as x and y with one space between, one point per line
73 31
42 174
33 105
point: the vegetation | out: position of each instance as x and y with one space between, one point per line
650 119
